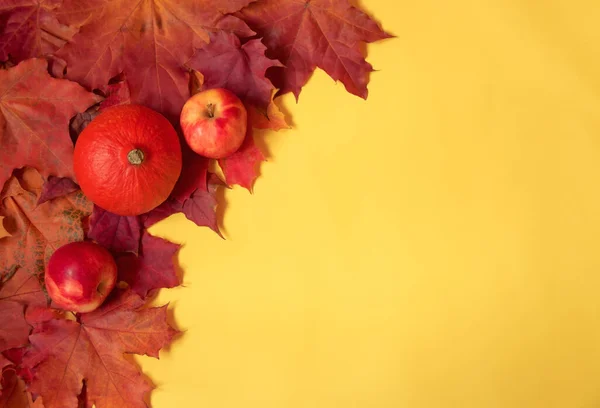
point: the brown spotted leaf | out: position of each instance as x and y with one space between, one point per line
65 353
37 230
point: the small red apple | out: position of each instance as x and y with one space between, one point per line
214 123
80 275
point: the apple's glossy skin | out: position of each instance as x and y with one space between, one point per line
80 276
214 123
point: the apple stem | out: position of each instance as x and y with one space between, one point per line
210 109
135 157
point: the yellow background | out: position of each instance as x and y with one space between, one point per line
436 246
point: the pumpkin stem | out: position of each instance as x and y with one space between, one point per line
135 157
210 110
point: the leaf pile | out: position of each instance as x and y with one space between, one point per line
62 62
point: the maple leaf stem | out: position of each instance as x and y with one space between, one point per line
135 157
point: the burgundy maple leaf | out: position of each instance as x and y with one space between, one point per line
307 34
246 68
153 269
115 232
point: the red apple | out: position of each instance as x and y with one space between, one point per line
214 123
80 275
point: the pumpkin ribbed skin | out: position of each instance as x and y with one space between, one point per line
128 159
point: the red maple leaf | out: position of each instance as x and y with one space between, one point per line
31 29
37 230
18 290
308 34
153 269
15 393
115 232
56 187
35 110
65 353
241 167
149 41
246 67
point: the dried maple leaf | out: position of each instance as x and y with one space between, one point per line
37 230
67 352
246 68
153 269
115 232
149 41
57 187
31 29
240 167
35 110
308 34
